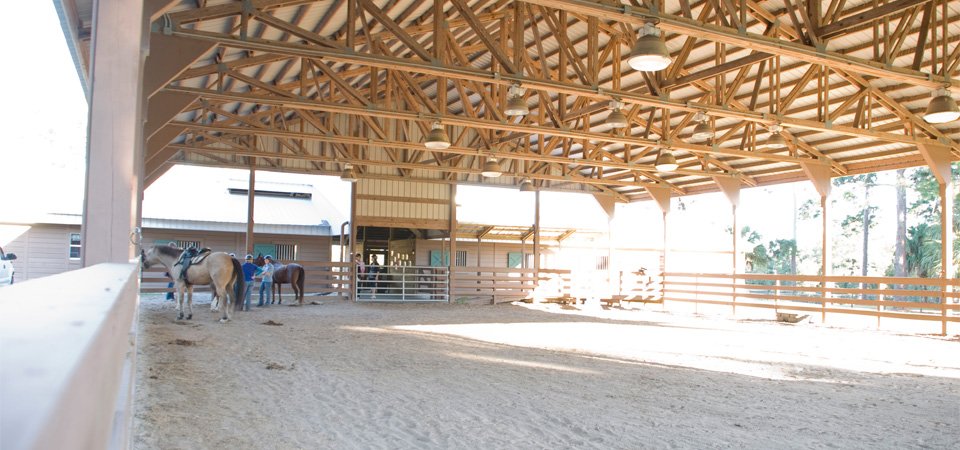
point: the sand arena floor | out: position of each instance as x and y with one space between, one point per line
341 375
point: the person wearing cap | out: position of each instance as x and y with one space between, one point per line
266 280
249 269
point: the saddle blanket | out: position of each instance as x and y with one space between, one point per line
203 255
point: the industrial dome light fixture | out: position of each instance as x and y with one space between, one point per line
491 168
666 162
526 185
942 108
775 141
437 139
649 54
516 106
702 131
349 174
616 119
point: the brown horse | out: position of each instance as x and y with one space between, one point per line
292 274
218 269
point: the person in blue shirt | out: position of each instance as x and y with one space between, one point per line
266 281
249 269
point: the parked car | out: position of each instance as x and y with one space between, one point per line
6 267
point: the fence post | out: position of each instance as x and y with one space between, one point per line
776 296
879 307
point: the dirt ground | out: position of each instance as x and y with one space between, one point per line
342 375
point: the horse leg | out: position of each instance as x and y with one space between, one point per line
227 297
279 291
215 300
179 301
189 302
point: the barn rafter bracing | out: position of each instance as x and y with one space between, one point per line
312 86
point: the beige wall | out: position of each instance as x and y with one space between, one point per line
44 249
492 254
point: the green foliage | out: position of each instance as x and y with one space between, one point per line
923 240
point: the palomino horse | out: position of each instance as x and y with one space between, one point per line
292 273
218 269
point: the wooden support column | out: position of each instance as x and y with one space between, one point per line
251 195
353 241
938 157
820 176
662 196
608 203
731 188
453 241
114 148
536 235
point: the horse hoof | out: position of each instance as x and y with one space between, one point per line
179 316
224 320
190 317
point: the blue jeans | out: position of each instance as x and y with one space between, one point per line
268 285
247 290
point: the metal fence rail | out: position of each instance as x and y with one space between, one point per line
404 284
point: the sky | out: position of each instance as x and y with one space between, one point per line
44 115
42 162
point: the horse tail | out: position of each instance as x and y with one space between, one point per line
238 284
300 278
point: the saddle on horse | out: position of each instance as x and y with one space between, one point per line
189 257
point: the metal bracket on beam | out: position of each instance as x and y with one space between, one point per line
167 25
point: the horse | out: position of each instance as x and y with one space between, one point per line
292 274
218 269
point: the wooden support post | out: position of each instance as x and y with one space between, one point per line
452 263
536 239
946 247
731 188
820 176
662 196
355 283
938 157
824 257
251 195
115 145
608 203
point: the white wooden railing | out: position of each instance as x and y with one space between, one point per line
67 359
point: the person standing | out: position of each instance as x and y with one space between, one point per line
266 281
374 275
361 269
249 269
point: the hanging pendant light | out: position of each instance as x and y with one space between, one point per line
666 162
649 54
516 106
702 131
617 119
437 139
942 108
526 185
491 168
349 174
775 141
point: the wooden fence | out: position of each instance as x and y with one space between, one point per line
922 299
925 299
329 279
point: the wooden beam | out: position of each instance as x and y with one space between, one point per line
820 176
637 16
169 57
843 25
162 108
662 196
474 74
